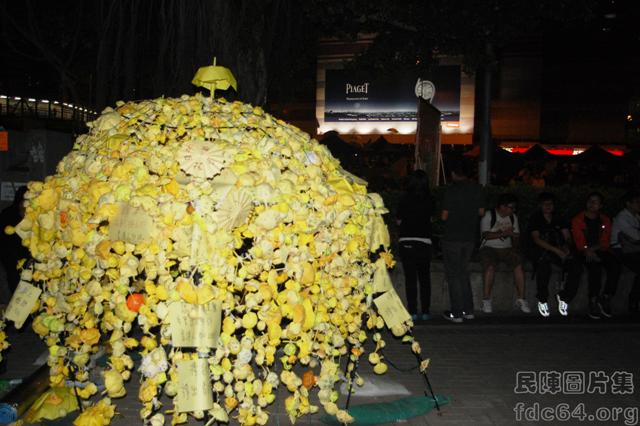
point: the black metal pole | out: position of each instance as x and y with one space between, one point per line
426 378
352 373
484 122
348 374
484 163
73 370
435 400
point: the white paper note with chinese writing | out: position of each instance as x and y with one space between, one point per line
194 386
391 309
131 224
195 325
24 299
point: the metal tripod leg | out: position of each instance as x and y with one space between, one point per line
429 388
351 373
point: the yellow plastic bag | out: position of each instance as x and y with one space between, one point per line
54 403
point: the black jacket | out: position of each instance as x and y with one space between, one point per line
415 215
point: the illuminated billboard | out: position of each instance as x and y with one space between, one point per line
364 96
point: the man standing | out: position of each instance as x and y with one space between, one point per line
625 242
591 231
500 232
463 204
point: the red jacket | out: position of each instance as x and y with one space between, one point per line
579 227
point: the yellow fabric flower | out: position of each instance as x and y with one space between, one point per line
148 390
90 336
114 384
99 414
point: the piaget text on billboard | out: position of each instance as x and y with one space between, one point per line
357 89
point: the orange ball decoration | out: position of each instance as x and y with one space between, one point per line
308 379
135 301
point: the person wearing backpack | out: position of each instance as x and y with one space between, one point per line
500 231
591 231
549 243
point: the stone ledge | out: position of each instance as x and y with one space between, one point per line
503 290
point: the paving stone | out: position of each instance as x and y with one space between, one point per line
474 364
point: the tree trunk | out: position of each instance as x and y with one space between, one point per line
129 69
102 82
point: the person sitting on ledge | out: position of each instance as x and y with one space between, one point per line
500 231
591 231
550 244
625 242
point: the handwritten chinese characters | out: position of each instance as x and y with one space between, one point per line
391 309
194 386
201 159
195 325
131 224
24 299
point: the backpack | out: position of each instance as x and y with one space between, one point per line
494 219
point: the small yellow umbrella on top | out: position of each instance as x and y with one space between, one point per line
214 77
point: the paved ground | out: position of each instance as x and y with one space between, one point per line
476 364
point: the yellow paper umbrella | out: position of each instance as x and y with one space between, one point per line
202 159
214 78
235 210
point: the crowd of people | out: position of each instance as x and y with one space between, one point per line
589 241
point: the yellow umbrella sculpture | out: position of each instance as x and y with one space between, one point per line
236 244
214 77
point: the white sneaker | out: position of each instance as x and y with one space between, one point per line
450 317
486 306
563 307
523 305
543 308
468 315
